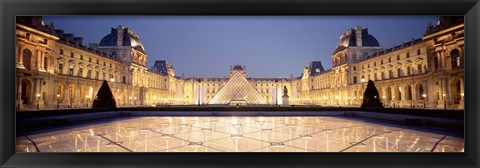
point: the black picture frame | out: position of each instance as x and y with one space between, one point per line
9 9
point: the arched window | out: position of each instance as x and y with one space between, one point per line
27 59
455 58
89 73
409 71
399 72
80 72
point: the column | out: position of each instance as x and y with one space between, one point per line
20 58
19 94
66 101
461 105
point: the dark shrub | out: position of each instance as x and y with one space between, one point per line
104 98
371 98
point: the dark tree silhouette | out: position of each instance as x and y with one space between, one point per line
104 98
371 98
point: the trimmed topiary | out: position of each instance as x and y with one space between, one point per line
104 98
371 98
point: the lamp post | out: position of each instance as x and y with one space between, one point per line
38 100
325 100
276 92
336 99
58 100
424 100
86 101
444 101
135 101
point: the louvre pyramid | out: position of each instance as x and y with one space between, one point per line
237 89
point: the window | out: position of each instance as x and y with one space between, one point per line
435 62
60 68
381 62
96 74
399 71
408 55
104 63
455 58
45 41
98 62
27 56
398 57
419 68
89 73
71 54
27 36
61 51
71 70
80 72
374 63
81 57
354 80
45 63
89 59
389 59
354 68
104 76
418 52
409 71
124 79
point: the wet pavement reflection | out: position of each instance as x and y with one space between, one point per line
241 134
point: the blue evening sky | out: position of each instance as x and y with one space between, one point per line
269 46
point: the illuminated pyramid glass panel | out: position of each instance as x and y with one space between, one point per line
238 91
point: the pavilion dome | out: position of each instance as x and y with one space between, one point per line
349 40
130 38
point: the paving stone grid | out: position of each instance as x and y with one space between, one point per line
240 134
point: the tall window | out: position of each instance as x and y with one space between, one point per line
61 51
419 68
435 62
455 58
399 72
71 70
71 54
89 73
60 68
418 52
96 74
80 72
27 57
45 63
409 71
408 54
354 80
398 57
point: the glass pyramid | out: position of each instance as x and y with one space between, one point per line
237 91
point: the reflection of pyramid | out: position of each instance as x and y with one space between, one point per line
237 89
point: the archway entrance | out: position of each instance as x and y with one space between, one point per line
455 91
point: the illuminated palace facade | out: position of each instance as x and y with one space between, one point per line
56 70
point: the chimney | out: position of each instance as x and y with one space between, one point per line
120 31
358 35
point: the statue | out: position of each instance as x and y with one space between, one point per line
285 91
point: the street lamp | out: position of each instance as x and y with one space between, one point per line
424 100
135 101
86 102
58 100
336 99
38 100
154 100
444 101
325 99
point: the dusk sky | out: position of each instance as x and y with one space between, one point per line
269 46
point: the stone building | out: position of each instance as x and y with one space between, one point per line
56 70
427 72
